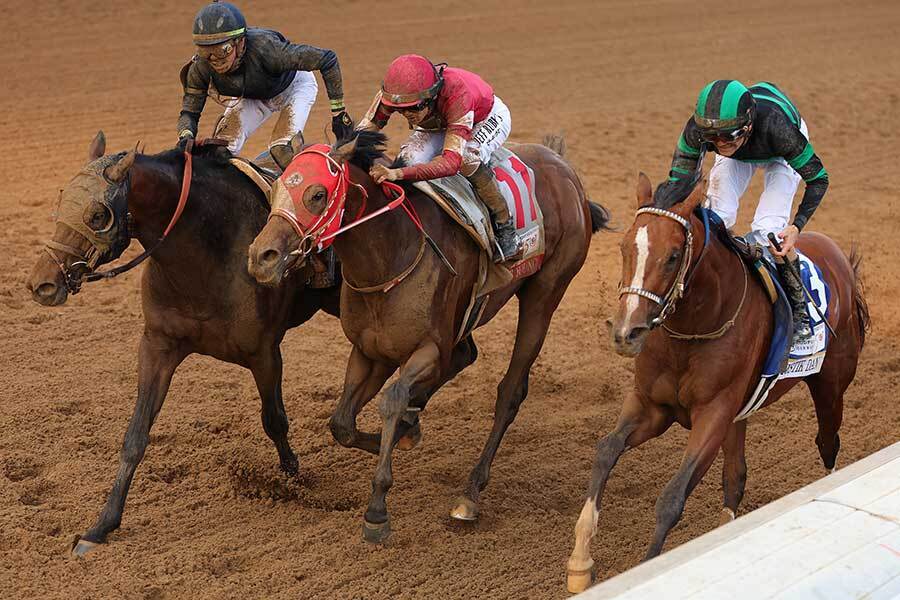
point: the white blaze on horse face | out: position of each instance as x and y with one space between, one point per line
642 241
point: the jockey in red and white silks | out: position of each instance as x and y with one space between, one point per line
457 124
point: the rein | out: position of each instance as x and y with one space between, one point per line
676 291
81 270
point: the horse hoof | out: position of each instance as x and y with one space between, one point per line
376 533
411 439
465 510
726 517
578 580
82 547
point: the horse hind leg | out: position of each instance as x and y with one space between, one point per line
536 306
157 360
267 372
828 396
734 470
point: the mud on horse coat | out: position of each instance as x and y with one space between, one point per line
196 294
414 326
703 382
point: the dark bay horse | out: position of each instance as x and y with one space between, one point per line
401 307
196 293
702 383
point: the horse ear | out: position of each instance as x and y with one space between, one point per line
698 195
644 190
118 171
97 147
342 154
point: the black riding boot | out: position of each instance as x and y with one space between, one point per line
505 235
794 289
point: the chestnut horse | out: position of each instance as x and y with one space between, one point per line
196 294
702 383
413 319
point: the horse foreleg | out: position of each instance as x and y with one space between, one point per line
267 371
419 373
734 470
637 423
158 358
363 379
707 434
409 431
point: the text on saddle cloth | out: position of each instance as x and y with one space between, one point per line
784 360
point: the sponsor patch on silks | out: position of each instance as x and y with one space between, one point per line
801 359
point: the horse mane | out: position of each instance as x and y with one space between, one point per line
370 147
670 193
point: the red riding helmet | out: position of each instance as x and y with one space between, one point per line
411 79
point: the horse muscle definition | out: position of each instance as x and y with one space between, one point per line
197 295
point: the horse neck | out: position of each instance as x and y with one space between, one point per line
215 219
380 248
715 277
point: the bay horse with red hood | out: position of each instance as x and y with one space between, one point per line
403 307
702 364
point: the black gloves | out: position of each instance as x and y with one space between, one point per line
341 125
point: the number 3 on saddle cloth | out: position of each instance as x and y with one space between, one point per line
455 196
802 359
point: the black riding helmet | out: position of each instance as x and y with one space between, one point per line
218 22
724 107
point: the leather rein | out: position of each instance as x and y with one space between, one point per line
82 270
676 291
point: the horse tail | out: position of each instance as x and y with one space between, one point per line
859 295
556 142
599 215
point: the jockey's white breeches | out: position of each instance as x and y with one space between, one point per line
729 179
245 115
487 136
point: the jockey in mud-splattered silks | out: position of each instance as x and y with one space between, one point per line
751 129
262 73
457 124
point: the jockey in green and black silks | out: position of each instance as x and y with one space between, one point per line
260 73
750 129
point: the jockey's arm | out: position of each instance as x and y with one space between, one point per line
302 57
376 118
195 92
799 153
684 164
446 163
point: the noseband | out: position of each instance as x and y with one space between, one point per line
676 291
84 268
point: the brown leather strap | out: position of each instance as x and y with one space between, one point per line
388 285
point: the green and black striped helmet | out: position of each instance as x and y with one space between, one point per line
218 22
724 105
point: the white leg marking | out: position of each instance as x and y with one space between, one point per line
642 241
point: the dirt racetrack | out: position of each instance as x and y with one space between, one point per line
209 514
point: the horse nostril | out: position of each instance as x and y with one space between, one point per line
45 290
635 333
269 257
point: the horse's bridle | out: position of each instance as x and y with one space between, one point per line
84 268
676 291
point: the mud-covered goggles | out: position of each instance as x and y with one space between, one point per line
724 137
220 52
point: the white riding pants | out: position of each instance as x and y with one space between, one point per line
729 179
487 136
246 115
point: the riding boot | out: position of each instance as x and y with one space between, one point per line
505 236
794 289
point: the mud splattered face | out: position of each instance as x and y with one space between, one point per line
417 114
222 57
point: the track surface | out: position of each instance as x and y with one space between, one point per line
209 515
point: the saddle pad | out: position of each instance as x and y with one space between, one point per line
516 182
262 181
802 359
